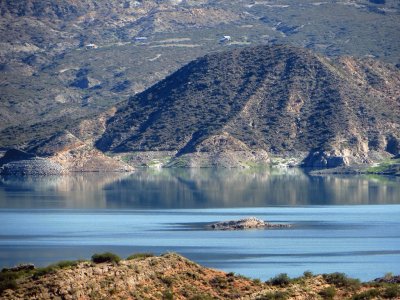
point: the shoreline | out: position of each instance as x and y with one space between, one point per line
17 162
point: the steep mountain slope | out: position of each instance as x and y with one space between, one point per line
283 100
64 59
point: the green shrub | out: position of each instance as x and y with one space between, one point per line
392 291
202 297
67 263
8 281
169 281
328 293
168 295
219 282
280 280
44 271
367 295
54 267
279 295
140 256
192 275
341 280
308 274
105 257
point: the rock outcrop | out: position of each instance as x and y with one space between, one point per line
389 279
17 162
60 154
323 159
35 166
248 223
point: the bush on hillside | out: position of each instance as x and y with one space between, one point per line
328 293
392 292
341 280
7 281
280 280
139 256
105 257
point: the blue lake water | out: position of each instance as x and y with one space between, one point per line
348 224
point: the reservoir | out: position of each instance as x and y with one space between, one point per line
347 224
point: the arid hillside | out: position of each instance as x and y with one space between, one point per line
267 100
64 60
172 276
240 108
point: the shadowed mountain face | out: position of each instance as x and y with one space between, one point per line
281 99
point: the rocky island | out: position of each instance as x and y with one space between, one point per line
247 223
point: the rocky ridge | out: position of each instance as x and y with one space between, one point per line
173 276
63 153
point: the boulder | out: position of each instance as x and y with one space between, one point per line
394 279
323 159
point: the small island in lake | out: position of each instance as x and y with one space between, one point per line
247 223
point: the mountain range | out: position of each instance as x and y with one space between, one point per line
65 60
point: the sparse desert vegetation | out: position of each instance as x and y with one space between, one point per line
172 276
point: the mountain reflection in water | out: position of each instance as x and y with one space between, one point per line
195 188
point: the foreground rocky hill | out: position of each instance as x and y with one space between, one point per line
62 60
172 276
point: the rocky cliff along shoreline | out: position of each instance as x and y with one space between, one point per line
171 276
